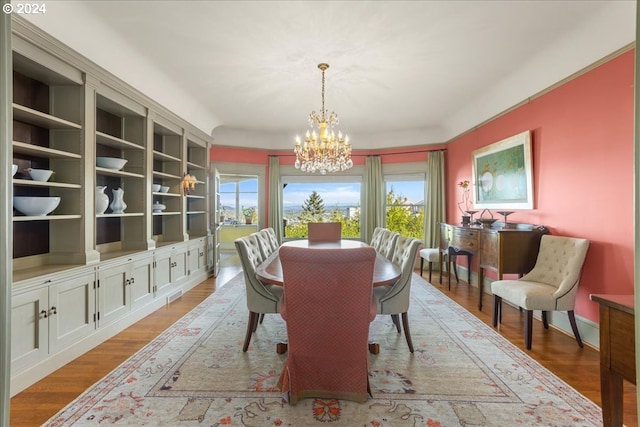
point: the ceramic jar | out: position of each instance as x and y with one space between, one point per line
102 200
118 205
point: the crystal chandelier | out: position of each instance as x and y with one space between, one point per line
323 151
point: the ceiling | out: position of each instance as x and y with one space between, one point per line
401 72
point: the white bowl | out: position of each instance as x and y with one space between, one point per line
14 169
35 206
155 187
164 189
111 162
158 207
40 174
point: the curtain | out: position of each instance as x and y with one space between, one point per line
435 209
373 197
275 197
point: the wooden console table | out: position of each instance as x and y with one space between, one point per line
504 250
617 353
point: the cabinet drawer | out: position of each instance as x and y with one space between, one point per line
464 239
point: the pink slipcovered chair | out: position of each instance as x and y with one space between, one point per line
324 231
328 305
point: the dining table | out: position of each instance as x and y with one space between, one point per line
384 271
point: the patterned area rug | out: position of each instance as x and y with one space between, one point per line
462 374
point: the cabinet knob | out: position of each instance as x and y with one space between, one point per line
133 280
43 314
127 282
53 310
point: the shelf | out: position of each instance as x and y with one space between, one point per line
112 141
45 217
45 152
157 155
157 174
195 212
166 194
31 116
113 172
165 213
126 214
194 196
195 165
31 183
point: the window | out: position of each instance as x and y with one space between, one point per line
337 200
238 198
404 205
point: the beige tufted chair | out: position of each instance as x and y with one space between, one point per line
264 244
394 299
388 243
376 236
271 235
261 298
552 285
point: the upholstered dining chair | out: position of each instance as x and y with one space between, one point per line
328 305
376 237
264 243
394 299
261 298
324 231
552 285
271 235
388 243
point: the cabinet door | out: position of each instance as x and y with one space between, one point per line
113 293
71 311
29 333
141 282
179 265
162 273
210 253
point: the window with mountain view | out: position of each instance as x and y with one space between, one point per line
405 205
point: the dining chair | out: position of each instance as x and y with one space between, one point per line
261 298
264 243
324 231
328 305
394 299
273 240
552 284
376 237
388 243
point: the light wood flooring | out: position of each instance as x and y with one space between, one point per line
551 348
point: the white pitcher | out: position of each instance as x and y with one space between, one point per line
102 200
118 205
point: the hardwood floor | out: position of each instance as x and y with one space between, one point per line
551 348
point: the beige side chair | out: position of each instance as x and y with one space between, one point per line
552 285
261 298
394 299
388 243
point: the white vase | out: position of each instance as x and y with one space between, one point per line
102 200
118 205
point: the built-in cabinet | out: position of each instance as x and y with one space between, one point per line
81 275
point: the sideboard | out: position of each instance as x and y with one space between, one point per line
506 250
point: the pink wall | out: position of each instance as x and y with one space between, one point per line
582 142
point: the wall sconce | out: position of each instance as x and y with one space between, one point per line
188 183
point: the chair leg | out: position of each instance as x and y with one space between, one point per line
256 320
261 318
429 272
396 321
574 326
407 334
421 266
247 338
449 271
528 326
497 309
545 319
468 269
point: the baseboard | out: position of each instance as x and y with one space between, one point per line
30 376
589 330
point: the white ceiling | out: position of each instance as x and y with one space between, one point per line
401 72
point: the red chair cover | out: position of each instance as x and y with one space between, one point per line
328 305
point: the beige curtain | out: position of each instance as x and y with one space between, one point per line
275 197
435 203
373 213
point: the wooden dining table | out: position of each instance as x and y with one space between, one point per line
384 272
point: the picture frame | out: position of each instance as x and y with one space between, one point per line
502 174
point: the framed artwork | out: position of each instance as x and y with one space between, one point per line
502 174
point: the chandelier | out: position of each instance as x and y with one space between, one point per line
323 151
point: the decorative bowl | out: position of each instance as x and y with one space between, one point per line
164 189
111 162
14 169
40 174
155 187
35 206
158 207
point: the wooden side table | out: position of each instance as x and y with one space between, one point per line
617 353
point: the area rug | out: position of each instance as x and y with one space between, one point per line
462 373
